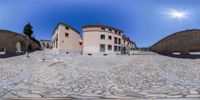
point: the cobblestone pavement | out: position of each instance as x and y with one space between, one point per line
48 75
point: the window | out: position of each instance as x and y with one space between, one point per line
80 43
119 41
67 28
110 30
102 36
56 36
103 28
102 47
109 47
115 41
116 32
119 33
115 48
2 49
66 35
109 37
119 48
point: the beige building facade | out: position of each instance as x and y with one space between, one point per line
66 39
96 40
102 40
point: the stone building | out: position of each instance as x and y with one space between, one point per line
101 40
127 46
46 44
12 43
104 40
97 39
66 39
183 42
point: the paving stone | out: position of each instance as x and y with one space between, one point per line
174 96
192 96
90 95
116 97
10 95
98 91
193 92
157 95
57 95
31 96
152 76
37 92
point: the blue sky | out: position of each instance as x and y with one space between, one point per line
144 21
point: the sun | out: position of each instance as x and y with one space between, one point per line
177 14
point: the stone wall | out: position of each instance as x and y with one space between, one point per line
13 42
183 42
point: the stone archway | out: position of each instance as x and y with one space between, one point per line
18 47
2 50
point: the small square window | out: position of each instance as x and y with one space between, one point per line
110 37
66 35
102 36
103 28
119 33
116 32
80 43
110 30
67 28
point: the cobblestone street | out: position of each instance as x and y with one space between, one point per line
149 76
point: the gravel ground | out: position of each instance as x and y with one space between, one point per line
48 75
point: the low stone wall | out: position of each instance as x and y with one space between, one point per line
13 43
183 42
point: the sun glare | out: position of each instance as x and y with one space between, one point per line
177 14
